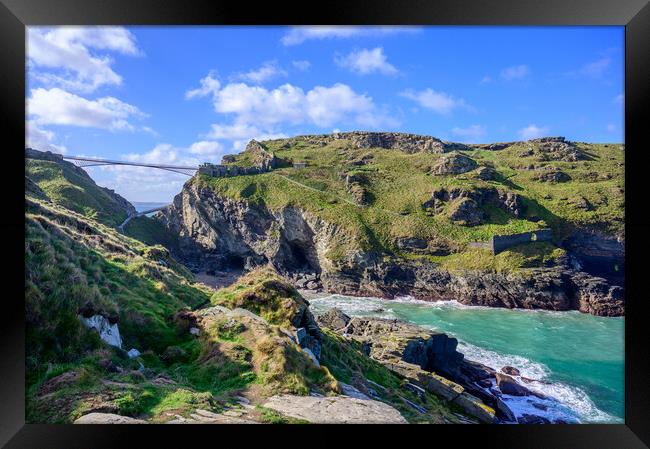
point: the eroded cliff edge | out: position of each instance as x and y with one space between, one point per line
218 233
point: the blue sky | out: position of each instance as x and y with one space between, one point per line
185 95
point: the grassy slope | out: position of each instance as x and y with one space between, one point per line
399 183
151 232
72 260
68 186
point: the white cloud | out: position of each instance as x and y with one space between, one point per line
367 61
262 108
42 139
233 131
302 65
515 72
209 85
298 35
472 133
611 127
260 113
619 99
268 70
533 131
68 51
206 147
440 102
486 79
58 107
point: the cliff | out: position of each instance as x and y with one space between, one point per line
364 219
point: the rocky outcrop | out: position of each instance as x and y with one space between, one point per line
555 149
355 185
454 164
467 206
408 143
335 410
553 176
557 288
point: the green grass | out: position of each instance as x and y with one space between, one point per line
400 183
151 232
71 187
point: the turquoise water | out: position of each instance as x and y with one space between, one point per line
579 357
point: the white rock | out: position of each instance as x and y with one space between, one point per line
335 410
133 353
107 418
311 356
353 392
107 332
195 330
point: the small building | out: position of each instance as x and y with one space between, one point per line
300 164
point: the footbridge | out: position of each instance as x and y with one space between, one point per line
82 161
139 214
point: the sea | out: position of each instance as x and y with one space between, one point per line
576 360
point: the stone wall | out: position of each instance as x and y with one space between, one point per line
503 242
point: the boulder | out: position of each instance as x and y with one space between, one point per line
486 174
511 371
335 410
333 319
509 386
107 418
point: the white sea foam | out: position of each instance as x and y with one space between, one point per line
565 402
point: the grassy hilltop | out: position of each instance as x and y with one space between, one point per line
71 187
379 195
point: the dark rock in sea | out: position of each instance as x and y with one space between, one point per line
509 386
532 419
504 411
510 370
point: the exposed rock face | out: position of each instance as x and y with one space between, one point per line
454 164
556 149
263 159
467 205
408 143
553 176
543 288
393 340
355 185
599 254
218 233
486 174
466 212
333 319
335 410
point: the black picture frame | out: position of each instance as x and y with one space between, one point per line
15 15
